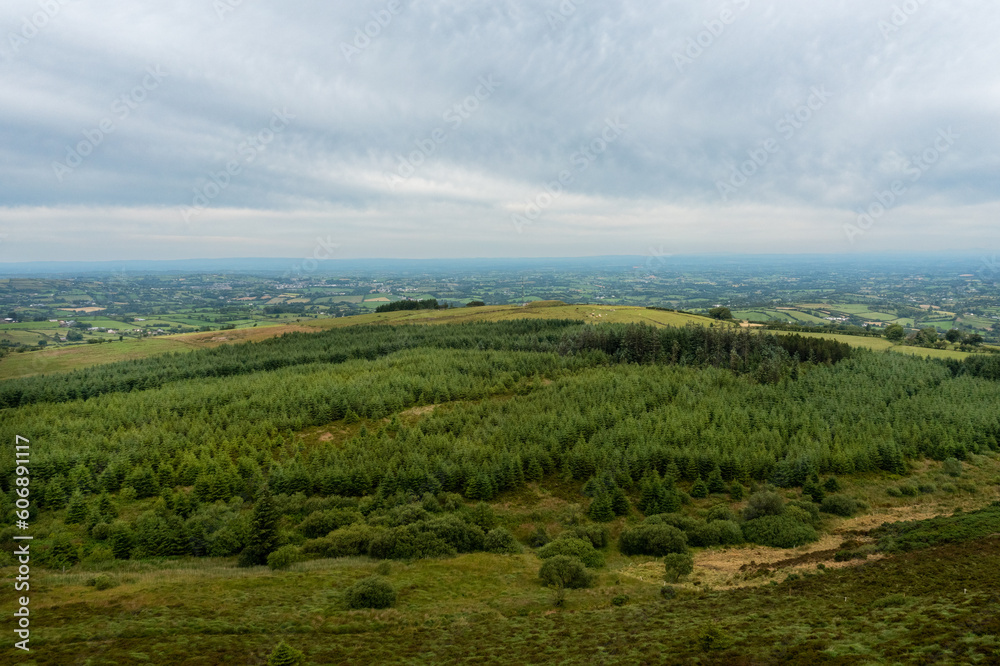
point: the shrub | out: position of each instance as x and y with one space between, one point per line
501 541
460 535
736 491
926 488
483 516
652 539
539 537
677 565
831 485
893 491
908 489
778 531
620 600
668 592
320 523
408 542
284 557
763 504
729 532
949 488
285 655
952 467
839 505
372 592
720 512
100 531
104 582
597 535
572 547
561 571
806 512
347 541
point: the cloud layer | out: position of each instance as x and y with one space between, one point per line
429 128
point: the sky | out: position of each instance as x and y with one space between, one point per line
435 129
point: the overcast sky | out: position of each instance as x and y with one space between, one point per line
433 128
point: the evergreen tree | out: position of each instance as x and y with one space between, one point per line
619 502
600 508
699 489
76 513
285 655
715 482
263 531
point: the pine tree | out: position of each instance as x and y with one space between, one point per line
600 508
77 511
715 482
619 502
263 531
285 655
699 489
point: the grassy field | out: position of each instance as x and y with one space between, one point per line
536 310
65 359
741 605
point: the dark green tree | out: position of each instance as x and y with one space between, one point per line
263 530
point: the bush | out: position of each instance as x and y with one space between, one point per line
284 557
655 539
893 491
778 531
539 537
372 592
408 542
668 592
763 504
839 505
720 512
620 600
677 565
949 488
320 523
345 542
572 547
805 512
952 467
736 491
102 582
460 535
561 571
926 488
831 485
908 489
597 535
502 542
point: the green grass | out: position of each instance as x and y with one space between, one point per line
82 356
935 606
